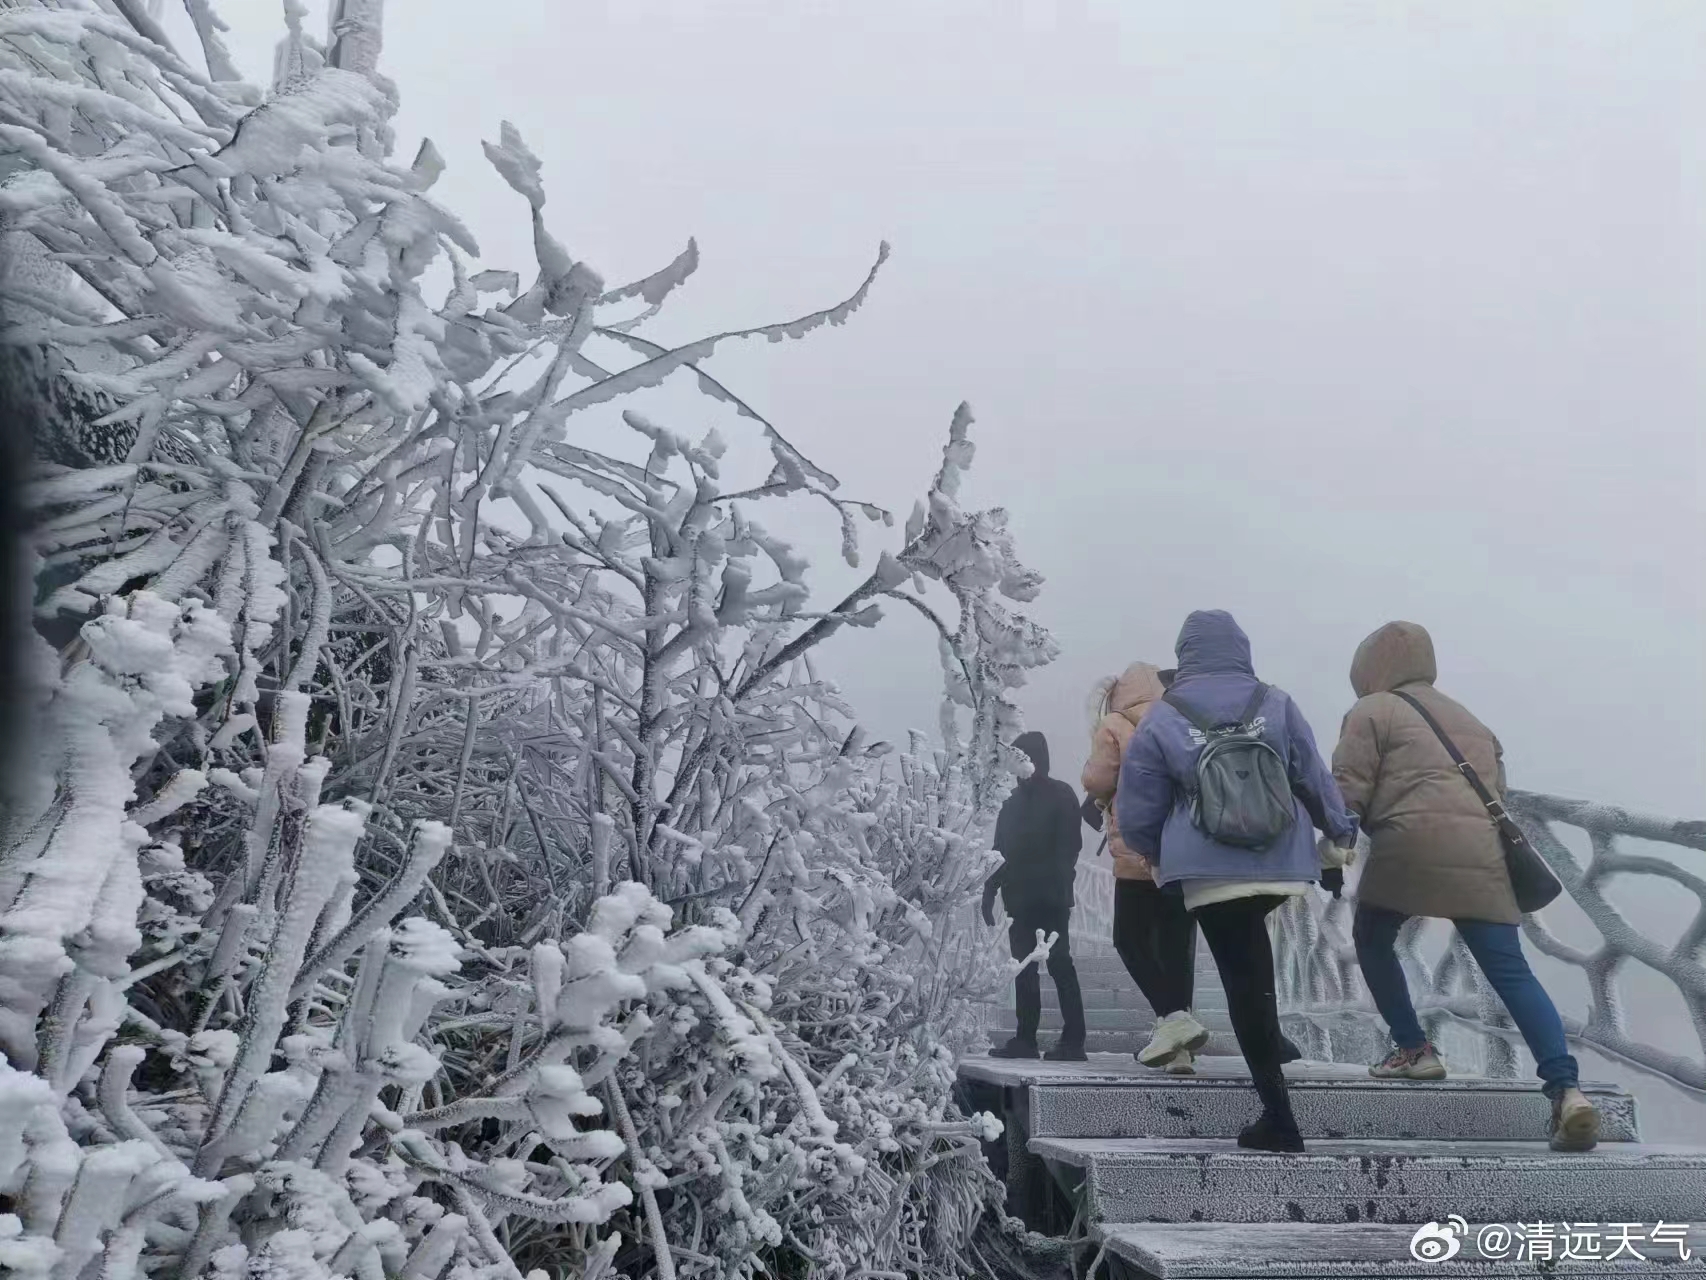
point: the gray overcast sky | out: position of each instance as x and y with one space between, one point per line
1325 313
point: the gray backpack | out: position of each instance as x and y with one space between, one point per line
1242 796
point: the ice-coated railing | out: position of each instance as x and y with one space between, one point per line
1093 909
1092 915
1320 984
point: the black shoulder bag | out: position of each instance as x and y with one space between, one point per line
1532 881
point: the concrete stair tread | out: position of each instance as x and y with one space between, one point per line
1112 1043
1380 1180
1233 1251
1131 1002
1114 1020
1083 1151
1333 1101
1225 1072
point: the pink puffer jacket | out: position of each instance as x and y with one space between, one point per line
1132 696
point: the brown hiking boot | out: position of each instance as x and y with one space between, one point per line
1575 1122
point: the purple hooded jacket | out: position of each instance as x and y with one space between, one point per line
1152 803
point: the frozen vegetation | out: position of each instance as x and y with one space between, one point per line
439 855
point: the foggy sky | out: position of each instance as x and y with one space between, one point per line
1324 313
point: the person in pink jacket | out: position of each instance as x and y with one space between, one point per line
1153 933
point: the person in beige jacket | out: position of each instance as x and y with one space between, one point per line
1435 851
1153 933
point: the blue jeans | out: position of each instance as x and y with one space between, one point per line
1497 948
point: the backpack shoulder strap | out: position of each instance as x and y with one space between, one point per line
1202 722
1183 708
1463 766
1256 700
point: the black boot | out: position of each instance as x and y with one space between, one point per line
1016 1048
1271 1133
1276 1128
1289 1052
1067 1051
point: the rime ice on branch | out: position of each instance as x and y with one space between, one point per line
398 893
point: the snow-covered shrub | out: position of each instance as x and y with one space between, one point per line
441 856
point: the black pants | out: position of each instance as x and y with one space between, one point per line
1237 934
1028 985
1156 939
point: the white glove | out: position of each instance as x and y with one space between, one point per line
1335 856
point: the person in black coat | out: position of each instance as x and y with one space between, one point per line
1039 834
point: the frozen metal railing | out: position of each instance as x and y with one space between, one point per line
1320 983
1092 912
1093 909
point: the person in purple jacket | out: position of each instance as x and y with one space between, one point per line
1231 889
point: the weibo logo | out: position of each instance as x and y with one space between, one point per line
1434 1243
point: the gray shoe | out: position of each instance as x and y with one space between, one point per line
1410 1064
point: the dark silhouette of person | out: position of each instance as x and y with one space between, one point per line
1039 834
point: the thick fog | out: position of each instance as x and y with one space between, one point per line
1324 313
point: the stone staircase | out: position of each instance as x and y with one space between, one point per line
1117 1018
1141 1168
1132 1174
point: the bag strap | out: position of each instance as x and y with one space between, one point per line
1494 808
1201 722
1256 700
1183 708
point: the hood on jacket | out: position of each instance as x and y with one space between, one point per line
1398 654
1034 745
1211 643
1138 686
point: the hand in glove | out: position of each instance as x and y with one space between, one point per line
1335 856
1333 880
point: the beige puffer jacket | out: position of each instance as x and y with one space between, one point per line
1434 851
1132 696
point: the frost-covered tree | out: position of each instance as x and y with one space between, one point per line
441 855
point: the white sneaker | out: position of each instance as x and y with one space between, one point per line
1174 1032
1182 1063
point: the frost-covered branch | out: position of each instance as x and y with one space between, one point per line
444 858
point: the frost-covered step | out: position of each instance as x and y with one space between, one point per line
1200 1106
1126 1045
1382 1180
1111 965
1192 1107
1126 996
1120 1043
1131 1001
1132 1020
1308 1251
1111 1096
1111 1044
1119 1019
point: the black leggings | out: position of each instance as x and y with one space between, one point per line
1237 934
1156 939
